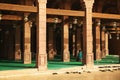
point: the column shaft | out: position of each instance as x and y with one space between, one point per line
106 45
88 39
41 62
27 43
98 52
17 43
78 39
103 44
66 54
51 52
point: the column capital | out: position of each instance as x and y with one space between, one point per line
88 3
42 1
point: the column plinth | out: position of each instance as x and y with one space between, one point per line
17 52
90 60
41 62
27 58
66 56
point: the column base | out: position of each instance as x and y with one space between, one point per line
89 60
27 58
18 55
107 52
98 55
103 54
51 54
41 62
66 56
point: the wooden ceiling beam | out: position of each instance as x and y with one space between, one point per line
11 17
62 12
115 32
14 7
113 29
18 18
81 14
52 20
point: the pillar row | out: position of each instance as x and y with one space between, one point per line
87 34
41 62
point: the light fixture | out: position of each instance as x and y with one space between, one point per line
103 28
14 25
70 26
118 36
114 24
110 36
98 23
30 24
75 21
26 18
56 20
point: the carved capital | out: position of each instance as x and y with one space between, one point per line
88 3
42 1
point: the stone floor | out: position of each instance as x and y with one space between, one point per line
98 70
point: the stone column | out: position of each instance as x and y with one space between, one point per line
78 39
27 41
73 45
51 52
103 44
97 35
41 62
87 35
17 43
106 44
66 53
27 35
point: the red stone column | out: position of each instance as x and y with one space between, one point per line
41 62
103 44
66 53
87 35
17 43
106 44
27 41
97 35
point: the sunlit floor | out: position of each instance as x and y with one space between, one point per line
54 64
